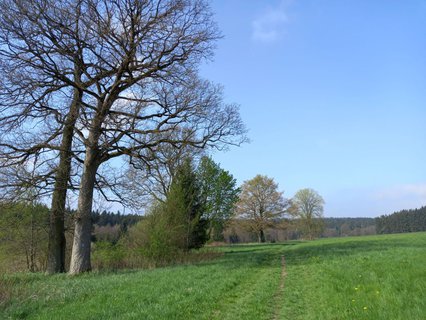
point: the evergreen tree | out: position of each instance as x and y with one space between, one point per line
184 207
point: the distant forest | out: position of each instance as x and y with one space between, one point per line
402 221
106 218
414 220
109 224
342 227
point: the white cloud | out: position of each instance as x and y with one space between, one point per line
269 26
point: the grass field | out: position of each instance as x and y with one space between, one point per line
374 277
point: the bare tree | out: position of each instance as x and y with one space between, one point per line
41 56
307 208
129 67
260 203
145 181
154 47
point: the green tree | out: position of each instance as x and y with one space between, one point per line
176 224
184 202
260 203
219 193
308 208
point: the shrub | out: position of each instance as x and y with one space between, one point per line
108 256
154 239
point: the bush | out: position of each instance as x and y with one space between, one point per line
154 240
108 256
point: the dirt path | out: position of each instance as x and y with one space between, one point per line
280 290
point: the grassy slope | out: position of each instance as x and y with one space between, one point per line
327 279
377 277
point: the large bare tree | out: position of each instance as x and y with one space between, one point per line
130 69
41 54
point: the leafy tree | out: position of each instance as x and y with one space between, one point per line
219 193
308 208
260 203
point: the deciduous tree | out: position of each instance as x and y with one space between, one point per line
308 208
220 193
260 203
41 94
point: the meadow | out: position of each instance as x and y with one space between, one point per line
371 277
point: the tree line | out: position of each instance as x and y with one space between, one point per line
413 220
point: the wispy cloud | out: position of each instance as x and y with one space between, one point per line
407 196
373 202
403 191
269 26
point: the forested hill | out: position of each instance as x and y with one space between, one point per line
402 221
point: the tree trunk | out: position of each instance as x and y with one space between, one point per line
261 236
32 266
80 256
57 243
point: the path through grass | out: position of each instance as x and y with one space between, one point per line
381 277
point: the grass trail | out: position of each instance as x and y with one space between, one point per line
381 277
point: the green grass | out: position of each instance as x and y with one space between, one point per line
326 279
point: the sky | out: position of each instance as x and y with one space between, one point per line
333 94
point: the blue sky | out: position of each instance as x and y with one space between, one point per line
334 96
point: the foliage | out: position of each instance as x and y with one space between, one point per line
23 236
260 203
175 225
402 221
185 204
108 256
155 238
308 207
219 193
